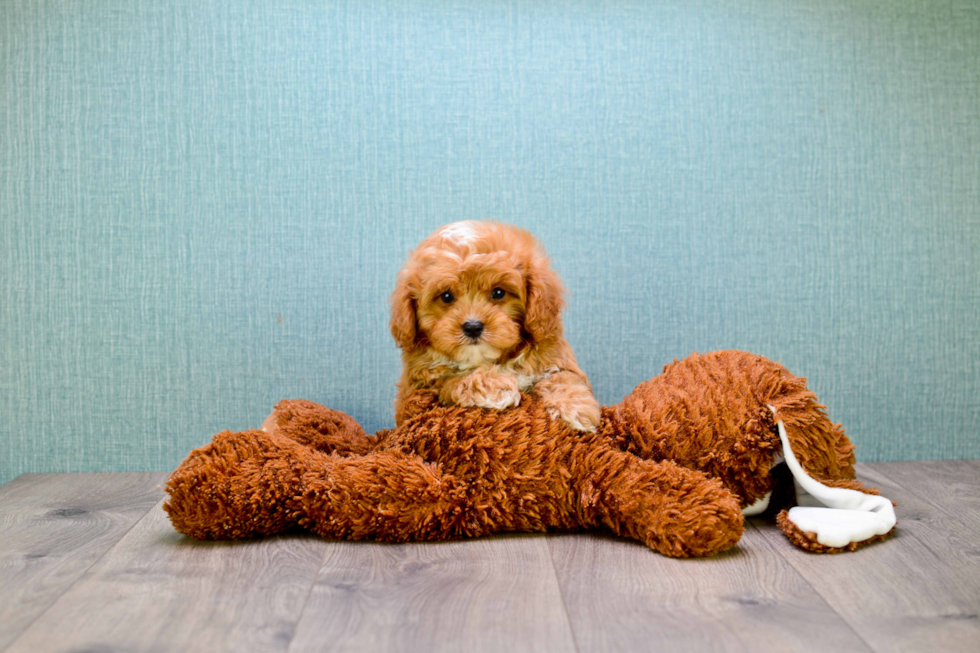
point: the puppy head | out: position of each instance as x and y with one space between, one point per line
474 292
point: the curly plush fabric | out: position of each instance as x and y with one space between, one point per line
671 466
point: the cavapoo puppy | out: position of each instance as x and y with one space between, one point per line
477 314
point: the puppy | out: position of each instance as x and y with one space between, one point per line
477 314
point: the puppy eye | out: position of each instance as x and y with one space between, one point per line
447 297
498 293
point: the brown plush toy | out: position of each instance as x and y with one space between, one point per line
674 465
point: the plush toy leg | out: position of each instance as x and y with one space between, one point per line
240 485
831 519
386 496
676 511
256 483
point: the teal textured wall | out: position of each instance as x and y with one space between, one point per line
204 204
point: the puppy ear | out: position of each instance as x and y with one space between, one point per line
403 318
545 301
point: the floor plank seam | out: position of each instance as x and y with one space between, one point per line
81 576
779 551
561 593
309 593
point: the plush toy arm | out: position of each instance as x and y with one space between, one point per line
676 511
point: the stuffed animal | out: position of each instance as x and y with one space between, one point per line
675 466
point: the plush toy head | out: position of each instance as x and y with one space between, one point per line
673 466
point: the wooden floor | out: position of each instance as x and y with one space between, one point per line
89 562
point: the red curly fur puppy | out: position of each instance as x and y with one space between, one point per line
477 314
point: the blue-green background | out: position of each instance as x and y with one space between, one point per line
203 205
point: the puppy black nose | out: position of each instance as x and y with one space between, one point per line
472 328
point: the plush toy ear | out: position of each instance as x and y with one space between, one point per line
403 319
545 301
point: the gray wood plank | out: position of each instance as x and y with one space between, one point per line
621 596
952 484
159 591
53 527
489 594
918 590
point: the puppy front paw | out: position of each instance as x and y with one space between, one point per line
483 390
582 419
582 414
